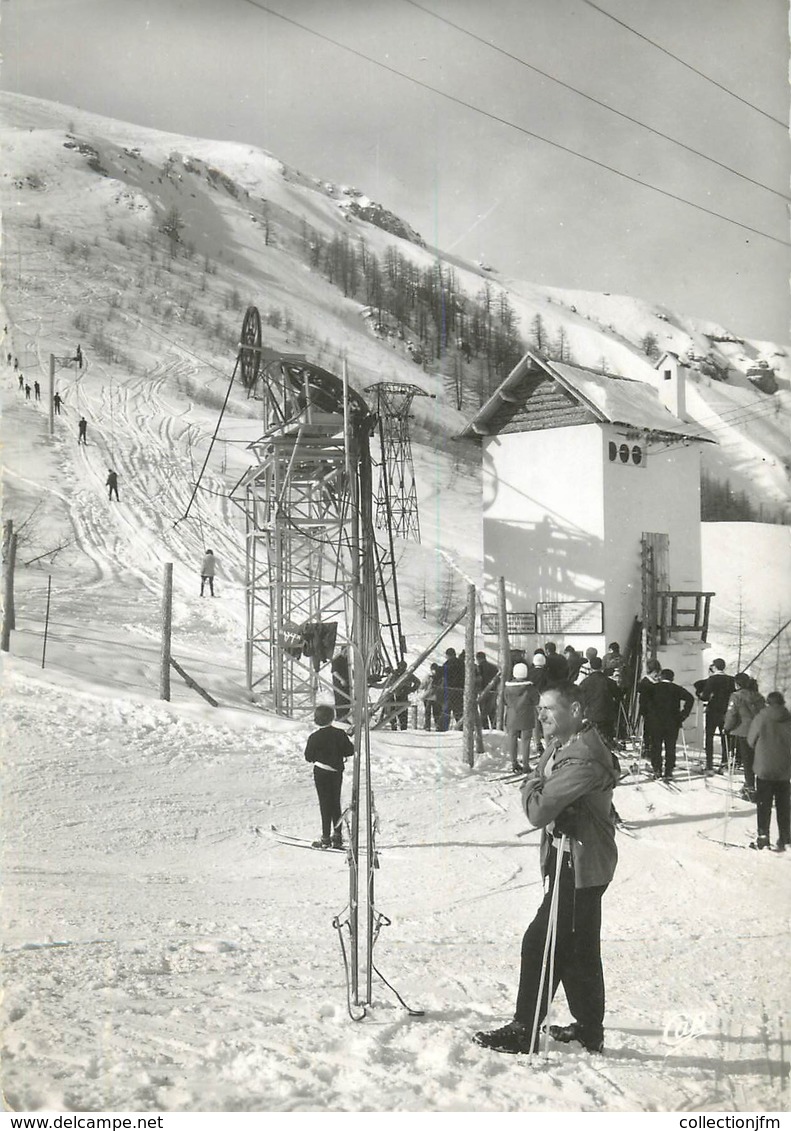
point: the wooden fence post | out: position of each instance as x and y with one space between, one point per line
51 394
9 621
167 617
46 621
469 679
505 651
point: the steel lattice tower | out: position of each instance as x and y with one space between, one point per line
311 557
396 494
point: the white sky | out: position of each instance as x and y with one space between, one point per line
227 69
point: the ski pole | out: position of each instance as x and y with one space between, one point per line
554 943
548 942
686 753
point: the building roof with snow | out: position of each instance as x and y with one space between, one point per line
539 393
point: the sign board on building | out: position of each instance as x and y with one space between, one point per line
519 624
580 618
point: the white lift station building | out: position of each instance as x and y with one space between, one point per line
591 510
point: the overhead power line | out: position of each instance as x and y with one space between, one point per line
514 126
598 101
701 74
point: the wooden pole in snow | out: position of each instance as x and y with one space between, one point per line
167 617
505 651
469 679
52 394
46 620
9 623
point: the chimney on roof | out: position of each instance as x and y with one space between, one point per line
672 384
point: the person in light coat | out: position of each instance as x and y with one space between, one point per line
521 700
569 797
207 569
770 737
743 706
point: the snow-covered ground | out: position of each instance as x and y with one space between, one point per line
162 951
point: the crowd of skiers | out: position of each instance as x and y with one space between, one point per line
441 692
754 733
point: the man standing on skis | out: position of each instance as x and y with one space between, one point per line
568 796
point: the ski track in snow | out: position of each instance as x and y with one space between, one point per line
191 964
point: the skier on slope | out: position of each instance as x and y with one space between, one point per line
569 796
327 748
82 435
112 484
207 571
57 401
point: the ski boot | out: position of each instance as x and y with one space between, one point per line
574 1032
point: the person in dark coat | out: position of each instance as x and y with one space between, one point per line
27 391
399 697
770 737
586 669
743 706
328 748
112 484
57 402
715 692
557 665
569 797
671 704
574 661
82 431
21 381
37 390
600 699
486 674
645 689
521 700
453 688
613 664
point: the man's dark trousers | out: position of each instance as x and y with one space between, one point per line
328 787
714 723
780 792
664 734
577 954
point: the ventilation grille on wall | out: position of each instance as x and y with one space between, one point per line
631 454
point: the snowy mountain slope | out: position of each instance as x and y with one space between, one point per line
228 194
162 952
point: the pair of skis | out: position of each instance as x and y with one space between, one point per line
750 845
303 842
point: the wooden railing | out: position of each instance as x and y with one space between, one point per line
682 611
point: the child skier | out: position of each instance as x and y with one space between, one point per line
327 748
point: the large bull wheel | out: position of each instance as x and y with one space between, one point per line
250 347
